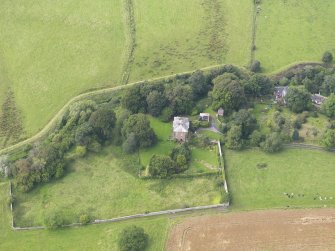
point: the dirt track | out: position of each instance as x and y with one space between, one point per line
312 229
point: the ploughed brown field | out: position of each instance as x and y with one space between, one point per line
294 230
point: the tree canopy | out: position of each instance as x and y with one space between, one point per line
298 100
228 93
134 100
133 238
161 166
328 107
139 125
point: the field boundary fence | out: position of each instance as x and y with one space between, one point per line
134 216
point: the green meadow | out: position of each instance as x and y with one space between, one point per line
106 185
178 35
306 174
92 237
293 31
51 51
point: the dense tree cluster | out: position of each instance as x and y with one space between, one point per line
316 79
163 166
228 92
298 100
328 107
86 126
136 130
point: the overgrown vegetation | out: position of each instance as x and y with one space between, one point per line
11 127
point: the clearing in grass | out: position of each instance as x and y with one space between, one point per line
291 178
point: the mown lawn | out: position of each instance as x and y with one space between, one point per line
291 31
51 51
93 237
105 186
179 35
308 175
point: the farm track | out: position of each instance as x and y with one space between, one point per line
130 35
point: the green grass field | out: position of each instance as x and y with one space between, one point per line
292 31
93 237
296 171
50 52
106 186
178 35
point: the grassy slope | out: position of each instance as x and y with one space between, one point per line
51 51
94 237
290 31
291 171
105 186
178 35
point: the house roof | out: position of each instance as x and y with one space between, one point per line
181 124
204 115
317 98
281 90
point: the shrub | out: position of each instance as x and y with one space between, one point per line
272 143
131 144
167 114
95 147
256 138
133 238
54 220
328 139
11 200
84 219
161 166
327 57
79 152
295 135
255 66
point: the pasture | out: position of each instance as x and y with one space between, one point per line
178 35
291 178
50 52
92 237
106 185
293 31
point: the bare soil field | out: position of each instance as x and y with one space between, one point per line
308 229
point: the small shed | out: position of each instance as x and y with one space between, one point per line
220 112
204 117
